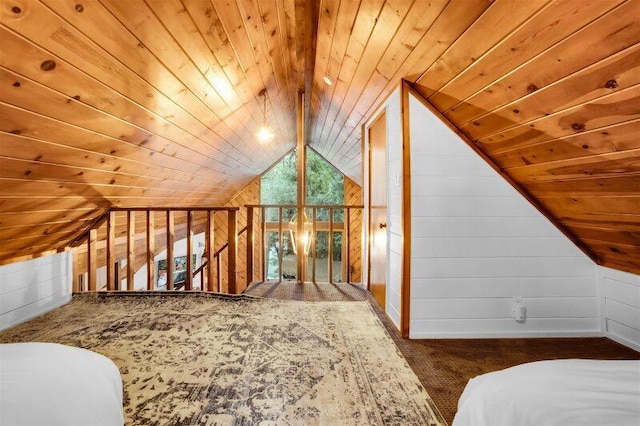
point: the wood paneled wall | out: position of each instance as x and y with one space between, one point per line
155 102
353 197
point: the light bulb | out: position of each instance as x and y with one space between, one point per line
265 134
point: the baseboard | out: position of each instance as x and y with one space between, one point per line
628 343
507 335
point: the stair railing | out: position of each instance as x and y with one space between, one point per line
108 238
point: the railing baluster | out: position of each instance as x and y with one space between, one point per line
330 245
346 238
219 271
263 232
170 238
188 284
116 275
300 275
233 251
92 259
131 233
151 250
111 249
280 239
314 241
343 269
209 247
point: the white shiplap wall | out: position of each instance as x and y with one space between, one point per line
394 207
33 287
477 243
394 202
621 306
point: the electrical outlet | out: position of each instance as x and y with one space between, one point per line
519 310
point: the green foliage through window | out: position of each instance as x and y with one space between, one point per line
324 186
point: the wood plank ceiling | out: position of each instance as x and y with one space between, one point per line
155 102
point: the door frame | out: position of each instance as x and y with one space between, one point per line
381 115
402 90
366 191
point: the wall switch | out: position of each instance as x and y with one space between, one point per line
519 310
398 179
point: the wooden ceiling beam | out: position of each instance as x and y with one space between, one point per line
307 13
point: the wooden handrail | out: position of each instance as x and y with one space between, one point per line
225 245
306 206
89 236
330 226
103 217
217 253
176 209
84 234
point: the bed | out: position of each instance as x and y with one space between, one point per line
558 392
51 384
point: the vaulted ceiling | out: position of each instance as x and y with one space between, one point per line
156 102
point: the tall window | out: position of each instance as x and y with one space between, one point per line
324 186
279 184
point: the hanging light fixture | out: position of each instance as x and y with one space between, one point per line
307 236
265 133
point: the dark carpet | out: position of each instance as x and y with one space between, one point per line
444 366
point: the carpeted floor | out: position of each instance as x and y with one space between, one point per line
444 366
203 359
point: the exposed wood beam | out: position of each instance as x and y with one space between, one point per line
306 44
301 187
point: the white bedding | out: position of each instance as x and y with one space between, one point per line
51 384
559 392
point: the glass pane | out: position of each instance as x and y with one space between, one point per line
322 266
337 257
279 185
324 183
271 256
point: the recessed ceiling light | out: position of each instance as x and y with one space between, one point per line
328 80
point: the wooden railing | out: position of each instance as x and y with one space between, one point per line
107 238
217 256
304 223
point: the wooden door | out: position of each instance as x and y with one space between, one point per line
378 208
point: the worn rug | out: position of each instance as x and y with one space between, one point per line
202 359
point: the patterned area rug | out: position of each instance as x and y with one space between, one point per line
201 359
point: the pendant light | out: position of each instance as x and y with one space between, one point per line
307 235
265 133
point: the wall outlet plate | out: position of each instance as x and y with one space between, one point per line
519 310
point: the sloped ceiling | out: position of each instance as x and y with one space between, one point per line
155 102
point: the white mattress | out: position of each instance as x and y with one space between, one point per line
559 392
51 384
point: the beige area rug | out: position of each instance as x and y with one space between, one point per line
200 359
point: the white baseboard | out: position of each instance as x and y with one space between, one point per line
507 335
628 343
